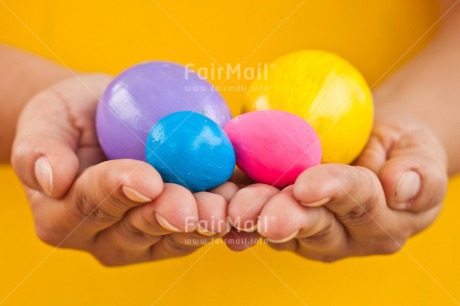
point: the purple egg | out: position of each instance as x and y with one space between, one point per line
141 95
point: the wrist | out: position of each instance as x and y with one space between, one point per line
25 75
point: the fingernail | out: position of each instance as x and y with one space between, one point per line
44 174
317 203
286 239
134 195
204 231
407 188
165 224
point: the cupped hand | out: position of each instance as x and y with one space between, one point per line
393 191
120 211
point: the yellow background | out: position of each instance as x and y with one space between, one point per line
109 36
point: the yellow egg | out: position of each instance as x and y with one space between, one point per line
325 90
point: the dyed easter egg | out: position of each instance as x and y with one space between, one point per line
191 150
140 96
273 147
326 91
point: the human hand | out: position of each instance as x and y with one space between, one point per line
120 211
393 191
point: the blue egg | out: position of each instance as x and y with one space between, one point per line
191 150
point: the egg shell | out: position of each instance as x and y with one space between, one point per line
143 94
191 150
273 147
326 91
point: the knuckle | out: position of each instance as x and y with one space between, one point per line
325 257
361 214
364 200
20 152
107 260
254 191
135 234
247 193
430 217
321 238
48 235
94 211
284 246
440 181
329 258
434 187
389 246
176 248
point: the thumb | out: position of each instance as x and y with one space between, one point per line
414 175
45 150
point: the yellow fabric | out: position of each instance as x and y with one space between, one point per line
112 35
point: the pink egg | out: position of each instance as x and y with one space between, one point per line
273 147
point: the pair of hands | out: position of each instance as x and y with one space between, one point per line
121 211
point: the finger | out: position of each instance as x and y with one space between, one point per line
100 197
175 210
133 237
212 214
226 190
212 223
245 207
105 192
283 218
49 132
317 231
243 211
172 246
44 151
110 253
353 194
414 177
374 155
356 198
193 239
235 239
